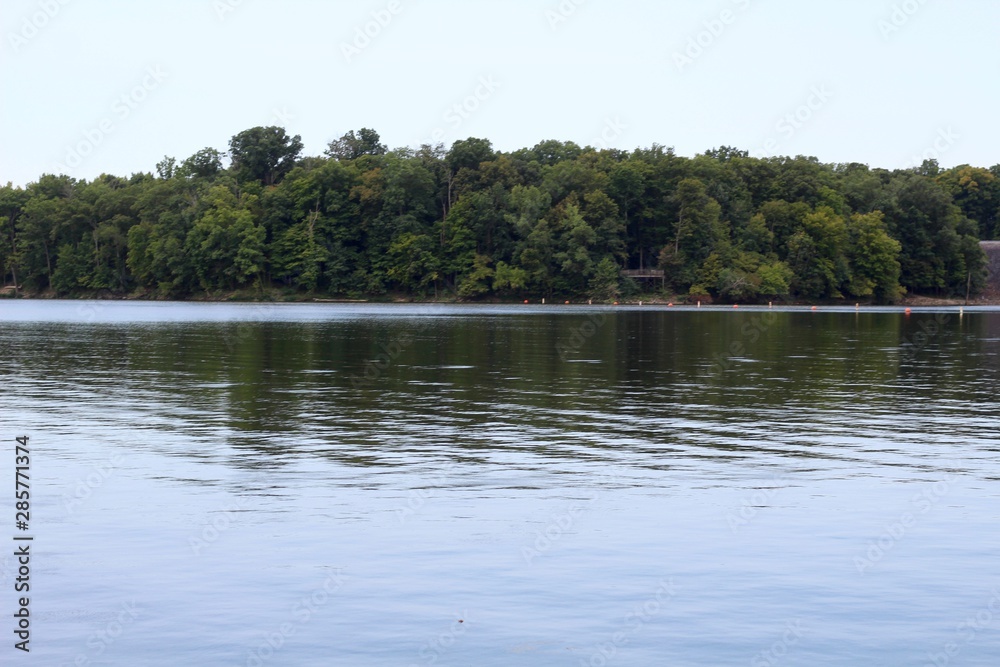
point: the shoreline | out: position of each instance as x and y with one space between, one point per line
277 298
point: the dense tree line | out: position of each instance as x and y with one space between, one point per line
553 220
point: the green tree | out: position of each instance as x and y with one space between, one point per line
352 146
573 258
73 267
166 167
817 255
874 257
509 279
775 279
478 281
412 262
12 201
976 192
469 154
605 285
922 217
226 246
264 154
698 233
206 163
299 256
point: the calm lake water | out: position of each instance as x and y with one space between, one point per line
328 484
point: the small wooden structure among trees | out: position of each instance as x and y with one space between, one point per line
647 274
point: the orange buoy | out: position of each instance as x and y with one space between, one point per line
567 303
736 305
616 303
908 311
815 308
670 305
526 301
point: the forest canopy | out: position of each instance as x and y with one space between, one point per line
471 222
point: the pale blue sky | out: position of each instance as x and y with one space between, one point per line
195 72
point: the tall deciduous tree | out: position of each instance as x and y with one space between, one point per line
874 257
264 154
353 145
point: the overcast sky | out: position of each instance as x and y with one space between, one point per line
92 86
